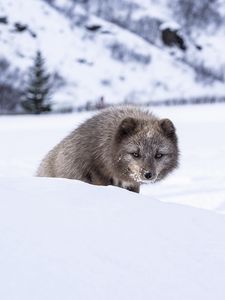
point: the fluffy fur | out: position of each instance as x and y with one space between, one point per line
122 146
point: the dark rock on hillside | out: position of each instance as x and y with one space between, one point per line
171 37
20 27
198 47
93 27
3 20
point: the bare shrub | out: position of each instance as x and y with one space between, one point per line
9 98
124 54
203 72
191 13
10 93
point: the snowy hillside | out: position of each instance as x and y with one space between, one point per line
62 239
112 62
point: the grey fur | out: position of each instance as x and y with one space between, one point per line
101 150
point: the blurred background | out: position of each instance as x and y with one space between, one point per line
61 60
73 55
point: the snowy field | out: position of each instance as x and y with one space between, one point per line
63 239
199 181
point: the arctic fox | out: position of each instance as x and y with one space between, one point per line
122 146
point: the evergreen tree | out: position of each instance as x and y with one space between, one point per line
38 91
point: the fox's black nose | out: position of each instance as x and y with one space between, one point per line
148 175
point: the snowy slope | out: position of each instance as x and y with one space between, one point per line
210 38
62 239
85 62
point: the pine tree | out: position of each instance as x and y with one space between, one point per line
38 92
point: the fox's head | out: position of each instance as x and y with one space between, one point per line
145 150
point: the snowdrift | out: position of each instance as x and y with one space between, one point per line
63 239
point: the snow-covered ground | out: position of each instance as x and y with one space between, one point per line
199 181
61 239
64 239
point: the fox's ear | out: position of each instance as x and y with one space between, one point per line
167 127
126 128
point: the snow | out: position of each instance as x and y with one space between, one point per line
170 25
199 181
63 239
64 44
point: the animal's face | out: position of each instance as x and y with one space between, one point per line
147 151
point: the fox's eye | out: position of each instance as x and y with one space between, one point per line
135 154
158 155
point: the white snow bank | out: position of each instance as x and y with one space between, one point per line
62 239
